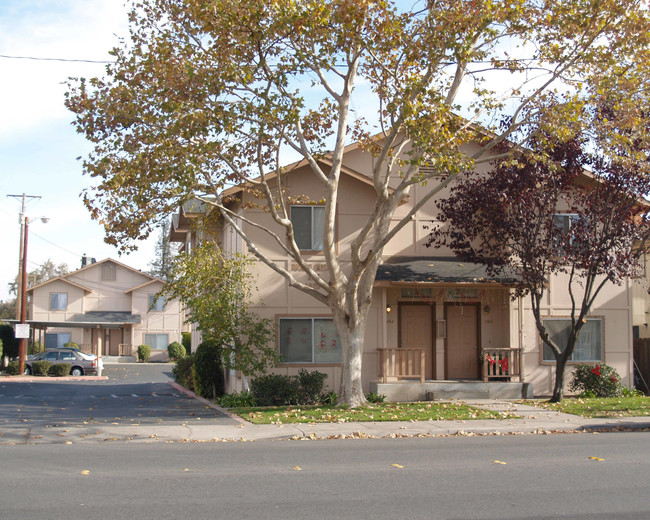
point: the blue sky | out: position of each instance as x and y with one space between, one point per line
38 146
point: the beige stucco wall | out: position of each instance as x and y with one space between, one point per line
502 325
129 292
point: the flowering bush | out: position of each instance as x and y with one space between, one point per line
596 381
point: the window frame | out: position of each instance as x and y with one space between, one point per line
312 230
65 308
571 361
108 272
312 318
154 303
571 217
155 334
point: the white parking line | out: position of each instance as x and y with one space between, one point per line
135 395
154 394
115 396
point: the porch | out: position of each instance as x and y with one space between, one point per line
402 371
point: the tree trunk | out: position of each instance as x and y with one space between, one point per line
351 335
558 391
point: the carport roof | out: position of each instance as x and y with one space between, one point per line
103 319
438 270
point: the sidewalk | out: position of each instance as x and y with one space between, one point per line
532 421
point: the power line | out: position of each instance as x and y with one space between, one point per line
34 58
55 245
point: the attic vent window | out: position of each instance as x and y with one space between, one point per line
108 272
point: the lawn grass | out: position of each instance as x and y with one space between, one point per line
423 411
599 407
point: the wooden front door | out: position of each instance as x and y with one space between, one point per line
462 341
114 342
416 331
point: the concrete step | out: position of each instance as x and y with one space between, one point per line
439 395
118 359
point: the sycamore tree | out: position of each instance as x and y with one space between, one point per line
559 208
206 94
216 288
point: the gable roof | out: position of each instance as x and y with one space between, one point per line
149 282
64 278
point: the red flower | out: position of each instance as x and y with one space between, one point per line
490 360
596 370
613 379
504 364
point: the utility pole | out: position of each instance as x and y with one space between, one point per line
21 302
21 220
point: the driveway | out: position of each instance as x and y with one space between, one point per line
135 402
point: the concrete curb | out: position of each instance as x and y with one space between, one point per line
49 379
207 403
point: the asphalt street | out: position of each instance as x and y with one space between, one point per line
570 477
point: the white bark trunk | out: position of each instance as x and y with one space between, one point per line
351 335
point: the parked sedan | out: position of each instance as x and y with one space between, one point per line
80 362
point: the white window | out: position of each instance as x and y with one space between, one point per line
156 303
58 301
157 341
565 222
590 342
109 272
309 340
308 224
56 340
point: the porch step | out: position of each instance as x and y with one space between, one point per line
410 391
118 359
438 395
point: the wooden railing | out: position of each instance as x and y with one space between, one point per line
401 363
125 349
501 363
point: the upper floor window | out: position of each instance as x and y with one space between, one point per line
109 271
565 222
58 301
590 342
308 224
156 303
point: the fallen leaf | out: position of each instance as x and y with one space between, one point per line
397 466
85 472
596 458
297 468
186 469
499 462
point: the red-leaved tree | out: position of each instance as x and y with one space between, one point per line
509 220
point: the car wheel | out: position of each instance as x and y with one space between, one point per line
27 371
76 371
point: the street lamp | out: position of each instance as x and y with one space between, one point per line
22 343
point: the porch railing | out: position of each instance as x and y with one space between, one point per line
125 349
401 363
501 363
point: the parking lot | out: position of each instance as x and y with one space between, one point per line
135 400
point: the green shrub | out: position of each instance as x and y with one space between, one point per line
238 400
41 368
329 398
71 344
310 386
176 351
9 341
61 369
187 342
374 397
12 368
275 390
596 381
208 370
280 390
144 353
183 372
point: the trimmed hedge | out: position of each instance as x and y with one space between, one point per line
280 390
183 372
12 368
144 353
61 369
41 368
208 370
176 351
